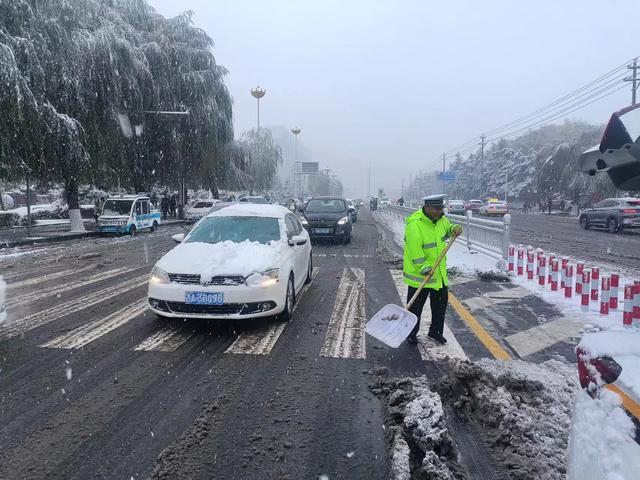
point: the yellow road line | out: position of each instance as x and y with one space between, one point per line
487 340
628 403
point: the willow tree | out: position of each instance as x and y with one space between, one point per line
264 158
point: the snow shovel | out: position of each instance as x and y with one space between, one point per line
393 324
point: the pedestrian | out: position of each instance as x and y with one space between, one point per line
401 202
426 234
172 205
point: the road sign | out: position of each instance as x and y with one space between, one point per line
448 176
308 167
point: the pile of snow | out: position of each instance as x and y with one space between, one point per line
3 293
223 258
525 410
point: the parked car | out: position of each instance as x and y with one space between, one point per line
327 217
456 207
253 199
473 205
353 210
494 208
240 261
198 210
127 214
614 214
598 442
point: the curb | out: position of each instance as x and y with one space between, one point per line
62 238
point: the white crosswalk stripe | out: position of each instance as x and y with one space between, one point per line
429 350
86 334
167 339
22 325
262 340
345 337
65 287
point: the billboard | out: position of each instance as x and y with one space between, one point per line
448 176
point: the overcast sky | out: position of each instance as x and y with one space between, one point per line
396 83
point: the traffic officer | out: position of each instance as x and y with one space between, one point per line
426 233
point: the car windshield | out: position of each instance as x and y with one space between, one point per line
254 200
235 229
117 207
203 205
326 206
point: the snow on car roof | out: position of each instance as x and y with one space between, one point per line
251 210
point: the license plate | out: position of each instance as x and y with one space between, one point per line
204 298
323 230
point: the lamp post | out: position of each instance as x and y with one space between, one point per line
296 131
258 93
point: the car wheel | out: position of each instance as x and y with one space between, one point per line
132 231
289 301
154 227
584 222
309 270
612 225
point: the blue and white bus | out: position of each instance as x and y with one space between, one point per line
127 214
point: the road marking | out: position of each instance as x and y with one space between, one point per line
35 320
451 349
345 337
487 340
46 278
491 299
542 336
167 339
86 334
346 255
262 340
627 402
58 289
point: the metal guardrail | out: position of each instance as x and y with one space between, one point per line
490 237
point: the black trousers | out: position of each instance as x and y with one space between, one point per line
439 301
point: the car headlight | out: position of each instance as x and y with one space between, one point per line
159 276
263 279
343 221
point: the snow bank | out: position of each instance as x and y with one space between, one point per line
525 410
3 293
612 343
223 258
601 440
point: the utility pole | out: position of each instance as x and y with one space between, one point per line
483 142
634 79
296 131
258 93
369 182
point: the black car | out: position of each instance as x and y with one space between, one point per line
327 217
614 214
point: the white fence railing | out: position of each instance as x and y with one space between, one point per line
487 236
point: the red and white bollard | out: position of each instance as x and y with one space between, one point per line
613 296
579 272
586 282
568 283
563 271
520 260
636 303
554 275
627 315
604 296
530 259
542 271
512 255
539 253
595 277
550 262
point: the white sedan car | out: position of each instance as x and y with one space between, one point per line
240 261
199 209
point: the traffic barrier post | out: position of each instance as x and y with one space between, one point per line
530 260
579 271
613 295
627 314
568 284
554 275
520 260
586 281
636 303
542 271
604 297
550 261
563 271
512 254
595 277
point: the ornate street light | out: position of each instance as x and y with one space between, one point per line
296 131
258 93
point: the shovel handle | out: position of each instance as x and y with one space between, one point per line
436 264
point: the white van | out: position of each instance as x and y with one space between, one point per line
128 214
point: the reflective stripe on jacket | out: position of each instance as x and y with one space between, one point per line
424 240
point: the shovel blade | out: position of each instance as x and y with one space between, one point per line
391 325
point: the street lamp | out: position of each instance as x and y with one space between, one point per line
296 131
258 93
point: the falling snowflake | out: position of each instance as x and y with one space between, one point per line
69 373
350 454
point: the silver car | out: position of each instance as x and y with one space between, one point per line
614 214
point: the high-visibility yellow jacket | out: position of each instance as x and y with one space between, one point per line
424 240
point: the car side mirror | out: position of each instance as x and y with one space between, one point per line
178 237
297 240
